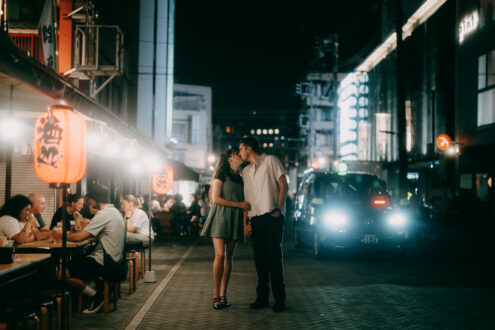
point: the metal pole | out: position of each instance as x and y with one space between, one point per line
64 256
8 161
153 90
401 111
149 276
433 110
150 217
311 128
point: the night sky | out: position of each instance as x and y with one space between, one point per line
252 53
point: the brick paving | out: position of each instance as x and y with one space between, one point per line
342 293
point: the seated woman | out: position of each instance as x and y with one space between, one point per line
136 220
75 203
17 222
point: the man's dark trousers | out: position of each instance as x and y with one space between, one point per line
267 234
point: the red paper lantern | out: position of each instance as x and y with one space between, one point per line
163 182
60 146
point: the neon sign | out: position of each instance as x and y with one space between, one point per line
468 25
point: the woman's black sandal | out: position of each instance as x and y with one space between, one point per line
224 301
217 304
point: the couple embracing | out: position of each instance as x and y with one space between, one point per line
248 203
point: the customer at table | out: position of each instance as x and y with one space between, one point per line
17 222
107 226
75 203
38 205
136 221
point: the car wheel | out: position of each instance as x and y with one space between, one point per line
297 240
318 249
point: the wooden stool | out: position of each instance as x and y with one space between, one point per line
131 260
10 317
44 307
142 254
56 296
106 295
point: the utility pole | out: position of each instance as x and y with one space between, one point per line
401 109
335 97
307 90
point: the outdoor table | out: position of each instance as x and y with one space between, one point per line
23 266
54 247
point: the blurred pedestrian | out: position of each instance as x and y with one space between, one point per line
224 222
194 215
179 215
204 208
265 189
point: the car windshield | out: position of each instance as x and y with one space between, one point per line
333 188
366 184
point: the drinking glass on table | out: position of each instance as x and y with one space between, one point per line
57 236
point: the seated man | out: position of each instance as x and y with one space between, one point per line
38 202
108 227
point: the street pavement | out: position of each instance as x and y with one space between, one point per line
422 291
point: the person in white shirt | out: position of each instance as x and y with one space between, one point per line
18 223
107 226
265 189
136 221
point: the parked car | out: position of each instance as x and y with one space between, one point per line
341 211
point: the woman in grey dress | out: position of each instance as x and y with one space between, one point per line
225 221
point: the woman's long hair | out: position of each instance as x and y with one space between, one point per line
73 198
14 206
222 166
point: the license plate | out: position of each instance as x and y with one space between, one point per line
369 239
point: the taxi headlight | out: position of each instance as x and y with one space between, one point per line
397 220
335 219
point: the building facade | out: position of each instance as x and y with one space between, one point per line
192 127
475 105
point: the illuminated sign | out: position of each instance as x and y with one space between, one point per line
353 106
468 25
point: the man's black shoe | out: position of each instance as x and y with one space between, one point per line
96 304
278 306
257 304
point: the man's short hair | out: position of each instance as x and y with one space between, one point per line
98 193
250 141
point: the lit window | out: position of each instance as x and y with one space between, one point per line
276 131
265 132
258 131
486 89
227 129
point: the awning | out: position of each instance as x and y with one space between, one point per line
182 172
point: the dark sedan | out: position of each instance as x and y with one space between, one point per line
353 210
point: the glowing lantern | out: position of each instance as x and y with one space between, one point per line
163 181
60 146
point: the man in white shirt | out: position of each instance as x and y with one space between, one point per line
265 189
